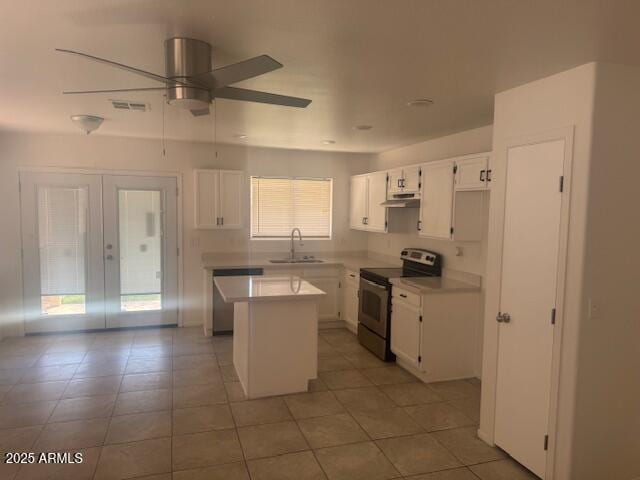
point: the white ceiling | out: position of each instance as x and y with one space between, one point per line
360 61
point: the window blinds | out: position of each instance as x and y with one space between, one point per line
279 205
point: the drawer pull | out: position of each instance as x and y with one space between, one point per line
403 295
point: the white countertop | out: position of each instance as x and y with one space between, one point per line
260 288
426 285
261 260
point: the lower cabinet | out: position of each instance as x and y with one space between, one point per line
350 288
406 330
329 303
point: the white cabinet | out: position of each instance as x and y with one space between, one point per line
406 329
472 172
367 193
404 180
358 202
329 303
218 199
436 206
350 287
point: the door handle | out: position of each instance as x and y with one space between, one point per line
503 318
109 257
482 175
374 284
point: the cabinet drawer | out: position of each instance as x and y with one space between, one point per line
352 277
321 272
405 296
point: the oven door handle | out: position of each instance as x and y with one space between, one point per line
373 284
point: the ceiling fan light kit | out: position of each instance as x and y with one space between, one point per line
88 123
191 83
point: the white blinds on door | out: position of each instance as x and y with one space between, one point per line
62 233
140 239
280 204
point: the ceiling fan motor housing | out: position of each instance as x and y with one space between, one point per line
186 58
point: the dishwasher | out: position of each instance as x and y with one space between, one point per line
222 311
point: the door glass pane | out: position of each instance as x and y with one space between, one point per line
62 237
140 243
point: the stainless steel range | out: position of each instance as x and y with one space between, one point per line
374 312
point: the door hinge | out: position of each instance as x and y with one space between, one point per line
562 183
419 358
553 316
546 442
420 318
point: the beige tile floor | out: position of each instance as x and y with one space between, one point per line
165 404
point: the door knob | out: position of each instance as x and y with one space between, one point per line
109 257
108 246
503 317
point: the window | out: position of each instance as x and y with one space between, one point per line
279 205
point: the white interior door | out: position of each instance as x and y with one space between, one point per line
63 278
528 295
140 251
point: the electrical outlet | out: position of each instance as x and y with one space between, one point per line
594 309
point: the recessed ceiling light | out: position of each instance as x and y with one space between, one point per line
364 127
420 102
328 142
241 136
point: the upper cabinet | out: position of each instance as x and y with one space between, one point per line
473 172
436 205
404 180
367 193
218 199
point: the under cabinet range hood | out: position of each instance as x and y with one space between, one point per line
402 200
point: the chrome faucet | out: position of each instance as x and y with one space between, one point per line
292 254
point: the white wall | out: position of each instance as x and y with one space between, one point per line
118 153
402 221
549 104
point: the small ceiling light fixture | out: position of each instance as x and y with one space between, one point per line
420 102
364 127
88 123
328 142
241 136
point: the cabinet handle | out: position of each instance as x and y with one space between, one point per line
482 175
398 182
352 275
403 184
221 220
217 220
419 225
403 295
488 175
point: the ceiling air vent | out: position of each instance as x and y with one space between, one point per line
127 105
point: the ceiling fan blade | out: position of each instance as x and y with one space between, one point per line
137 71
233 93
199 112
117 90
236 72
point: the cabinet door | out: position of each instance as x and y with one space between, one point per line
411 177
231 193
436 206
405 332
471 173
376 194
395 181
350 305
206 198
329 304
358 202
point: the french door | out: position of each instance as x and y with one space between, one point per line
99 251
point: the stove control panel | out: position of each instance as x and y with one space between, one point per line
419 255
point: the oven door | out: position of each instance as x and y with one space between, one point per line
373 306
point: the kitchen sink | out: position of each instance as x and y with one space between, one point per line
296 260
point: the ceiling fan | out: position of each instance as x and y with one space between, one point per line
191 83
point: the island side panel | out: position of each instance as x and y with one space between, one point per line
241 342
283 354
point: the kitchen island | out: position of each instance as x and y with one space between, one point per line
275 332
